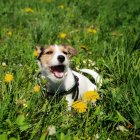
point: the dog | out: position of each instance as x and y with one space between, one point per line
54 64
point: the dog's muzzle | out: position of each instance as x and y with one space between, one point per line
58 70
61 58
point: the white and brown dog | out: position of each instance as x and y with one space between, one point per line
54 65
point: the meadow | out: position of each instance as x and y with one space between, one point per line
107 37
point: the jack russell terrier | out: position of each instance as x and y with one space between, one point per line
53 62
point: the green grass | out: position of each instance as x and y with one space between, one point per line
25 114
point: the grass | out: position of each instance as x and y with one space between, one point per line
104 32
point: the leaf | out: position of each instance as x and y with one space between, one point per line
62 136
68 137
43 136
120 117
24 127
12 138
4 136
98 110
20 120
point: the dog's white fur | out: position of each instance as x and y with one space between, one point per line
67 81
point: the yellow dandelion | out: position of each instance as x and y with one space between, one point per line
79 106
92 30
9 33
8 78
61 6
28 10
35 53
91 96
36 88
62 35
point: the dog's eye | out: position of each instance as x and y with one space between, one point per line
49 52
65 52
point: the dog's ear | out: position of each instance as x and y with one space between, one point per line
72 51
40 51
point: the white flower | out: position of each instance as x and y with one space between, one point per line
51 130
20 65
77 68
121 128
4 64
89 64
43 77
96 136
84 62
90 61
25 105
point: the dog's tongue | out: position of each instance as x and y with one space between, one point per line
58 71
58 74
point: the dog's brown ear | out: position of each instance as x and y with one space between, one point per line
72 51
40 51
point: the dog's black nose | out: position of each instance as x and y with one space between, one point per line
61 58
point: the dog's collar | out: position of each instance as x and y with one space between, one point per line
74 90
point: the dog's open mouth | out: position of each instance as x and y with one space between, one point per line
58 70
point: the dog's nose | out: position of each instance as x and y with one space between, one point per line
61 58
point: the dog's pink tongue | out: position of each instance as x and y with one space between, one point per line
58 74
58 71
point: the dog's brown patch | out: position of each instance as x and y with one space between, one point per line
47 55
72 51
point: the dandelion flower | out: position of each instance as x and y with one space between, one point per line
8 78
61 6
62 35
28 10
79 106
9 33
36 88
91 30
91 96
35 53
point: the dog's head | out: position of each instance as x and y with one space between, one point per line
54 60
